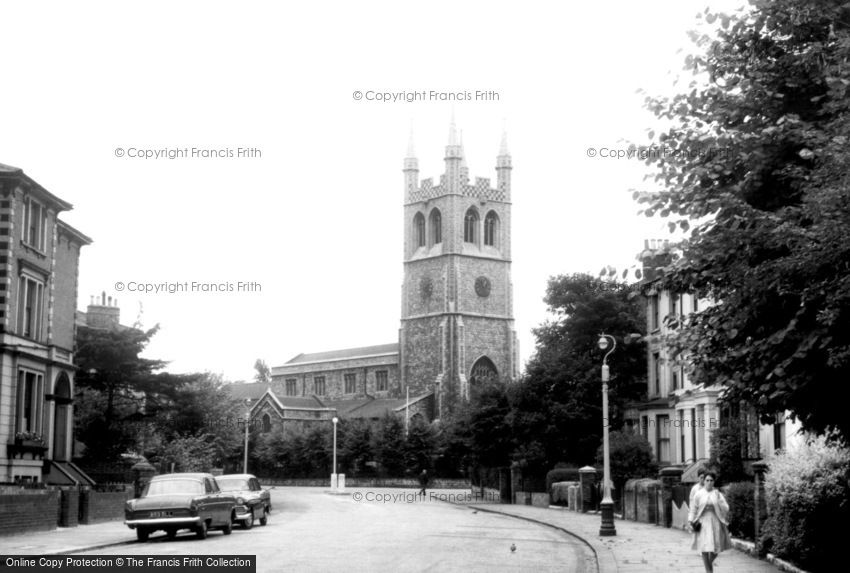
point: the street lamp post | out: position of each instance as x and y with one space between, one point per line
247 422
334 477
607 506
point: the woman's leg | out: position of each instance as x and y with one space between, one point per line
706 561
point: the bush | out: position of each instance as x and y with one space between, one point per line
808 503
630 457
561 474
741 498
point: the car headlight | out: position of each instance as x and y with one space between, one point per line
130 505
240 501
193 505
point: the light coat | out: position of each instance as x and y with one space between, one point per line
701 500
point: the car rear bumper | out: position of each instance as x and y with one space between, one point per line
160 521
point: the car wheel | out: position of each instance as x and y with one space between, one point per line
201 530
142 534
248 523
228 528
171 533
265 519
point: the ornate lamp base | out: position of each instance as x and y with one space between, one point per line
607 529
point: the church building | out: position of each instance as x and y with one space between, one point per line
457 327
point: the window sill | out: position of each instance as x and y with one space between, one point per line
33 249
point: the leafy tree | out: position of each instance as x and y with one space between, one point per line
727 450
389 445
454 454
355 446
187 454
489 429
200 403
557 410
761 166
111 382
264 373
419 447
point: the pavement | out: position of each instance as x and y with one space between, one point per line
637 547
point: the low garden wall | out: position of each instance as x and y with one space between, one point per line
29 510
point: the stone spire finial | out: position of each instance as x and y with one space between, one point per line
453 140
503 148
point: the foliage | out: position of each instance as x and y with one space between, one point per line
727 451
759 163
808 503
630 457
557 408
111 384
741 498
454 454
490 433
264 373
419 447
294 452
187 453
389 446
355 447
561 474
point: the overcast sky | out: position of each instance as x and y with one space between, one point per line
315 220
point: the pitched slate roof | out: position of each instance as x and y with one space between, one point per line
344 354
378 407
253 390
300 402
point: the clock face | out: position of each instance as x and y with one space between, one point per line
482 286
426 288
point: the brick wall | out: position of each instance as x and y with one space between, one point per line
69 507
98 506
29 511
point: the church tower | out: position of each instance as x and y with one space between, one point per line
457 327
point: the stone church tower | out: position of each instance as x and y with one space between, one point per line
457 326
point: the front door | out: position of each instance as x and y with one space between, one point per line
60 432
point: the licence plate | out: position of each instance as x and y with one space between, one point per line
160 514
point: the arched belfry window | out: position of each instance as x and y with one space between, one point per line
491 229
419 229
483 372
470 226
267 423
436 227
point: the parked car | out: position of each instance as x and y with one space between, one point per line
252 501
172 502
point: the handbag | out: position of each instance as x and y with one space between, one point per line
696 526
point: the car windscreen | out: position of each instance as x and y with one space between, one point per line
175 486
232 484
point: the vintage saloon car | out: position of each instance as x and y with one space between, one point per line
252 501
172 502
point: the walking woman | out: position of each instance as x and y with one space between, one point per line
708 519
